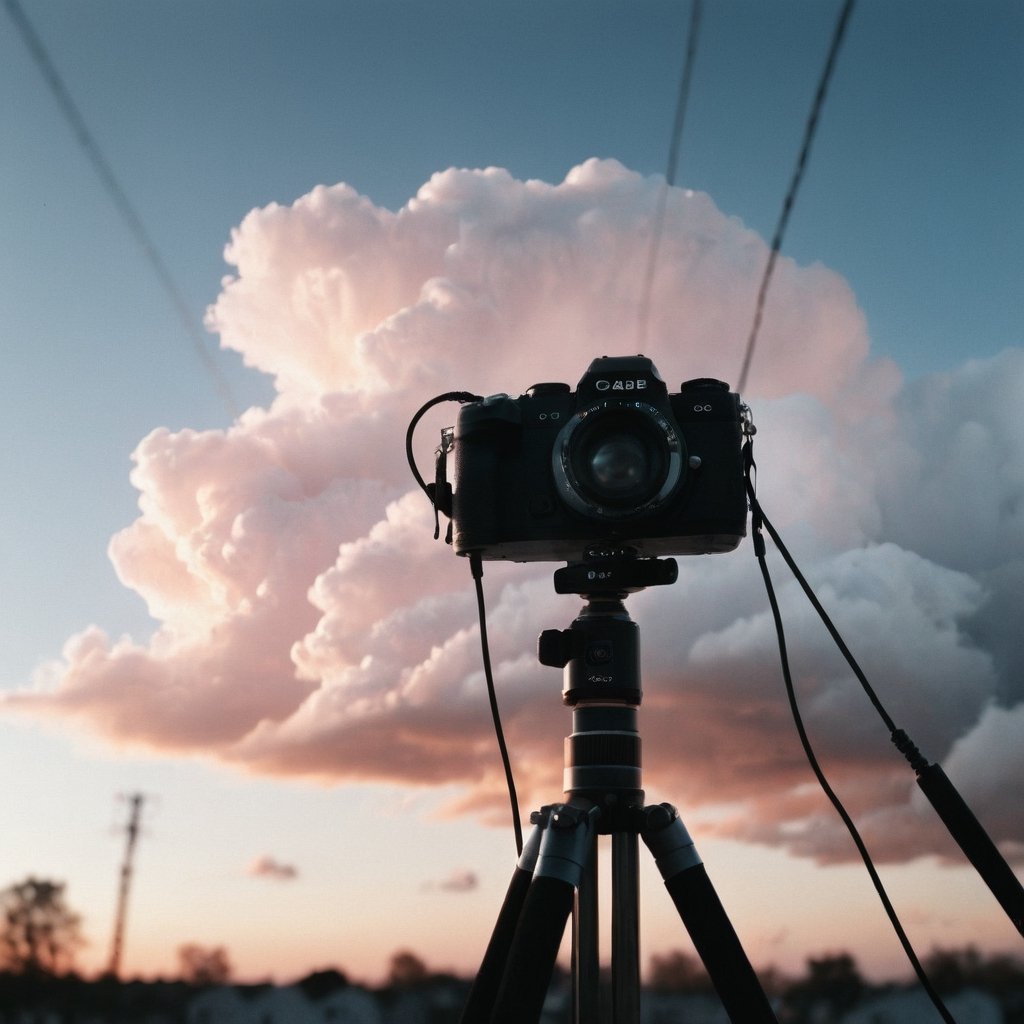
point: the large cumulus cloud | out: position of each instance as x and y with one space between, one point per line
309 626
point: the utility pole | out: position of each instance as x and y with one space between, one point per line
132 831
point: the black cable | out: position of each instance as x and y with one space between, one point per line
837 803
658 223
829 625
757 521
794 185
958 818
121 201
476 567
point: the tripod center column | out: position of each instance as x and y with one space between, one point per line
602 755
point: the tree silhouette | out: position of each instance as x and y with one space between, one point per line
203 965
676 972
951 970
407 970
39 933
833 979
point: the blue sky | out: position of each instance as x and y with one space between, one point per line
209 110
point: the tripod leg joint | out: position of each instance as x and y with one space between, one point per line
668 840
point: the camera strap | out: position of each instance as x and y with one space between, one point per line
756 516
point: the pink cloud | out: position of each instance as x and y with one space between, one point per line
458 880
309 626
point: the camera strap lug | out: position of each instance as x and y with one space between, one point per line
747 420
440 491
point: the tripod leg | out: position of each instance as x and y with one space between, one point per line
488 978
565 848
625 928
704 917
586 966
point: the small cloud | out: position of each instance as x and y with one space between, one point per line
460 880
268 867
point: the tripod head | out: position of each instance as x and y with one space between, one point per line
600 651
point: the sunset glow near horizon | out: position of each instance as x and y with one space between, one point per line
245 618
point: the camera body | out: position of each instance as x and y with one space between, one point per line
619 462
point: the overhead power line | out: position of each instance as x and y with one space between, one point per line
794 185
658 224
121 201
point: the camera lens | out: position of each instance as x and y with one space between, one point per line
617 459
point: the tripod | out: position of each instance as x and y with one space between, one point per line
557 872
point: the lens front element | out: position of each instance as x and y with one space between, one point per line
617 459
619 465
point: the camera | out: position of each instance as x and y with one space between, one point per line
620 462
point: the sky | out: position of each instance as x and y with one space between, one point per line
235 606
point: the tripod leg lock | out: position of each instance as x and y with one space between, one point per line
667 838
566 843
